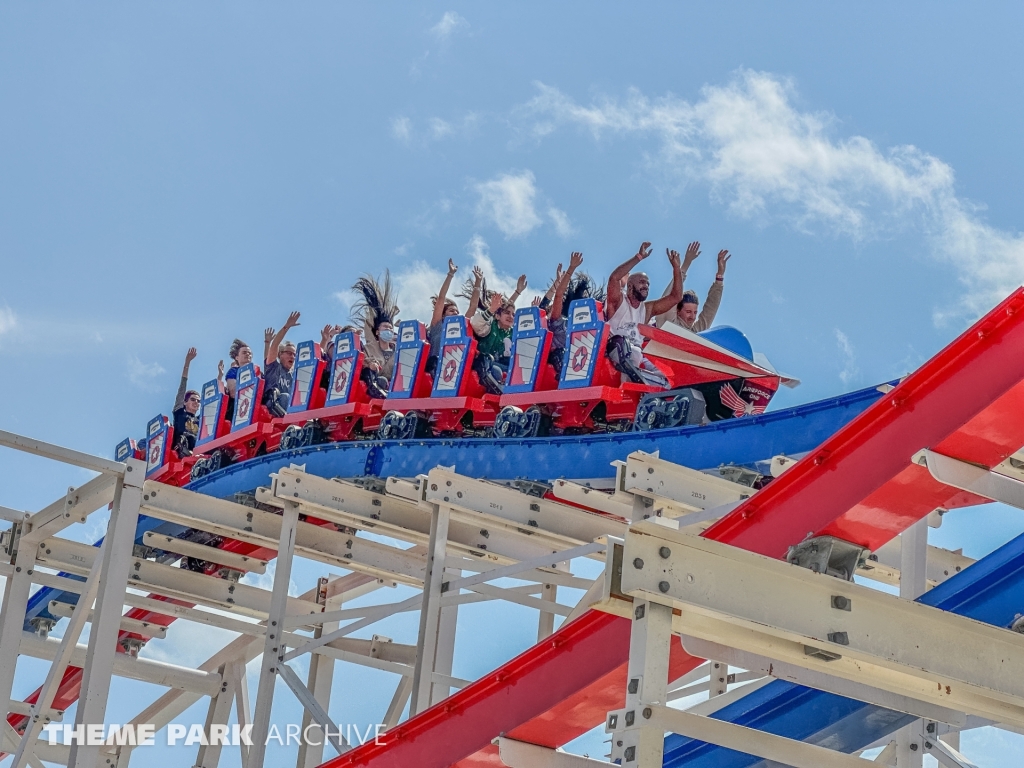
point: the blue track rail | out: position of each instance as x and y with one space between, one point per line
789 431
991 590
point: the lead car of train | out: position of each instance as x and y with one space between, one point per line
714 375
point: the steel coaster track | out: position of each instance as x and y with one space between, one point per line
790 431
967 401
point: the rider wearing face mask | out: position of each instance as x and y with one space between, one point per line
377 311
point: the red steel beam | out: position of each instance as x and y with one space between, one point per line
967 401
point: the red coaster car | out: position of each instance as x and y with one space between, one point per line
249 433
455 403
342 411
590 394
162 461
712 376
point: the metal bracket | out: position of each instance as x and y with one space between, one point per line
829 555
132 646
740 475
369 483
531 487
42 625
9 539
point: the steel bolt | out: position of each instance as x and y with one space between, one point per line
647 713
665 553
913 747
663 586
638 563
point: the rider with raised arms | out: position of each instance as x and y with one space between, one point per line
627 309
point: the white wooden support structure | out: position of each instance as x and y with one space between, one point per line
731 601
318 713
672 491
633 744
453 537
273 647
430 611
760 665
25 536
909 750
398 701
444 654
969 477
39 719
99 662
320 683
546 622
216 724
766 606
521 754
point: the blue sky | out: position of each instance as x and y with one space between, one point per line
181 175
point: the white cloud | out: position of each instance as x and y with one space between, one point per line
507 202
345 298
561 221
850 370
439 128
401 129
498 280
450 24
265 580
417 283
8 320
144 375
766 159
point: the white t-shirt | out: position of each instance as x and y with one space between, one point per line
626 319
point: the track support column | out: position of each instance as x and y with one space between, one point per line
273 648
634 742
106 622
546 623
320 683
430 613
913 584
217 717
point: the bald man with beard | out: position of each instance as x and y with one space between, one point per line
627 309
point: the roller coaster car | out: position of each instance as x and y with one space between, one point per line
719 364
713 375
457 402
343 410
162 462
129 449
590 394
251 432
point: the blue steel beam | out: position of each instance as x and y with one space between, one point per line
735 441
991 590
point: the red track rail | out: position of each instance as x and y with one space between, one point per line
967 401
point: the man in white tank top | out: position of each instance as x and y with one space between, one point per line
628 309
